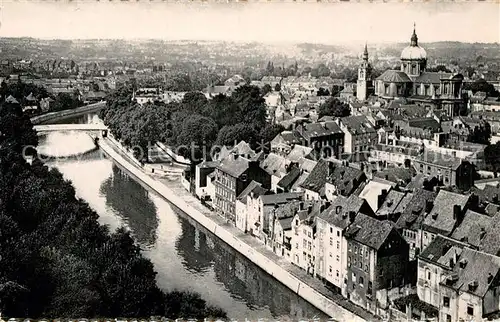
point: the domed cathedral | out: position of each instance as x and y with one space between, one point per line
413 83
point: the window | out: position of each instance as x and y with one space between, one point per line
304 242
470 310
361 281
330 269
309 234
331 241
338 244
338 233
353 278
331 254
331 230
428 275
309 245
369 289
338 258
448 318
337 273
446 301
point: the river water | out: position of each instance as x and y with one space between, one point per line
185 255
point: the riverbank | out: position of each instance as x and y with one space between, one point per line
39 119
291 276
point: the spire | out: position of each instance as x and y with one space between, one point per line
365 53
414 38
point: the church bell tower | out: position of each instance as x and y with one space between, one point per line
364 77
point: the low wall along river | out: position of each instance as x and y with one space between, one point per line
305 291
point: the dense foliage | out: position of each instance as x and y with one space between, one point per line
56 260
195 121
334 107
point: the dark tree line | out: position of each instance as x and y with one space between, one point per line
56 259
196 120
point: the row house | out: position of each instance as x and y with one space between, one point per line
463 284
260 212
331 225
324 137
359 133
232 176
411 217
297 173
251 192
450 170
329 179
282 232
276 166
447 213
377 262
304 236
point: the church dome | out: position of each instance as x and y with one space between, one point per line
413 53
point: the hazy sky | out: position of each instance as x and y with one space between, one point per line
296 22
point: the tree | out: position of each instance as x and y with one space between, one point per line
230 135
492 156
323 92
223 110
268 133
251 104
482 85
481 134
333 107
194 102
266 89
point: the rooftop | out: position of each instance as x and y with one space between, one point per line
369 231
442 219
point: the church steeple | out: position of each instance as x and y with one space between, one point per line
414 38
365 53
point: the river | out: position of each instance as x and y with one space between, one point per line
184 254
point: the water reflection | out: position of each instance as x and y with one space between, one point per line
243 279
184 254
131 201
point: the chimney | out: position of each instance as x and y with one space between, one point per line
386 177
452 262
352 215
490 278
301 205
456 212
338 210
463 263
309 209
482 233
428 206
331 168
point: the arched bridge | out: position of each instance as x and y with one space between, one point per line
70 127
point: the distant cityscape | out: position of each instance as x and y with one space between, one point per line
372 171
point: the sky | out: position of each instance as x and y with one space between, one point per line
328 23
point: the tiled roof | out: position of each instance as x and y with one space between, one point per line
286 223
431 77
298 151
372 191
480 270
396 175
491 241
439 247
312 130
394 76
414 213
234 167
425 123
317 178
10 99
254 187
242 149
357 124
473 228
369 231
441 219
306 164
274 164
337 214
281 197
287 181
391 202
343 177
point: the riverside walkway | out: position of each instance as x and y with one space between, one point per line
70 127
297 280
